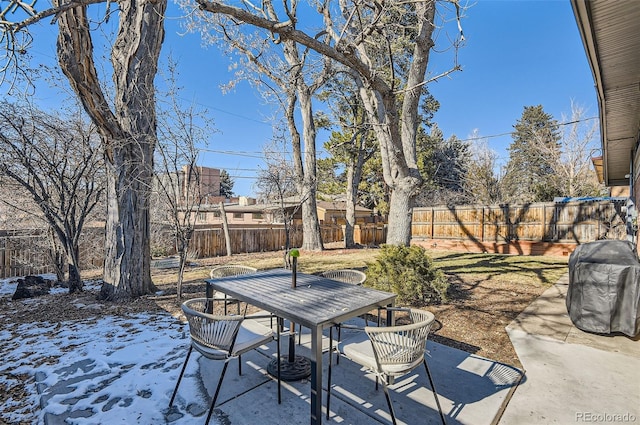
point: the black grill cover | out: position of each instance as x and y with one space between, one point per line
604 288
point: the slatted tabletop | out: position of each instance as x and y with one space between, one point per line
316 301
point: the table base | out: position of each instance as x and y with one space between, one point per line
296 370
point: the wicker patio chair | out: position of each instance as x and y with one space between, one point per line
226 271
347 275
221 338
392 351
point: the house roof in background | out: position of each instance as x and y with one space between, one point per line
610 32
339 205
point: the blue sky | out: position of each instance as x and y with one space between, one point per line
517 54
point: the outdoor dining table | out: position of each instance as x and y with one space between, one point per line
316 303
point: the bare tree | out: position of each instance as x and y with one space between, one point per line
58 161
127 127
179 178
18 211
386 48
179 193
481 183
297 76
276 185
17 207
571 164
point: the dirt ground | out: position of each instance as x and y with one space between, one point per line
473 320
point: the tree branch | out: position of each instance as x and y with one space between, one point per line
286 30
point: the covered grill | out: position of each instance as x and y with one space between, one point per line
604 288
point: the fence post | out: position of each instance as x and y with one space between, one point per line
357 234
433 219
544 222
482 225
4 258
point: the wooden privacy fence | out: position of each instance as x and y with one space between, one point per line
27 252
496 227
550 228
210 242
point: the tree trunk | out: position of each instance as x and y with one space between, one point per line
401 209
354 176
75 281
306 182
225 229
127 266
311 233
56 252
73 259
129 136
350 215
182 262
399 165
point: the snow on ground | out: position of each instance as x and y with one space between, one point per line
112 368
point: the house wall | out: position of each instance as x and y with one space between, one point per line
246 217
209 181
214 217
339 216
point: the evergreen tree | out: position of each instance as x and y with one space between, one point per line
226 184
373 192
443 165
529 176
331 179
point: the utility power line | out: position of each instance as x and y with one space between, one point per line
473 139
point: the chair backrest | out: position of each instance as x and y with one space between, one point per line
217 333
405 344
347 276
231 270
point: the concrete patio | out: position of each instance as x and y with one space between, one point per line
472 390
571 376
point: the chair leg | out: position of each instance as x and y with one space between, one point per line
215 396
184 366
389 403
435 394
337 348
329 378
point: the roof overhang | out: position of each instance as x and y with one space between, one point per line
610 32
